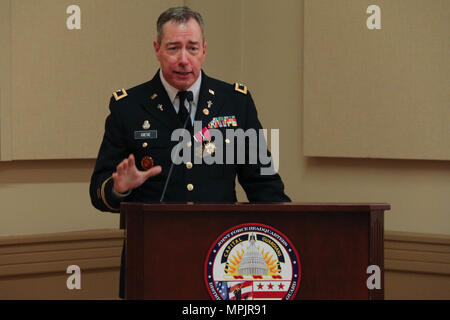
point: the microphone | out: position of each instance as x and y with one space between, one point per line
189 98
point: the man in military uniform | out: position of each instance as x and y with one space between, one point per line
134 160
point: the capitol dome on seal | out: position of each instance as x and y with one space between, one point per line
252 262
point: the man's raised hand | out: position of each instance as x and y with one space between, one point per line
128 177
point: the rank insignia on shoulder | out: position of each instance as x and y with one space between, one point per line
120 94
240 88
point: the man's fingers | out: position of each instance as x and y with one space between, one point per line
125 166
153 172
131 161
131 164
119 169
128 176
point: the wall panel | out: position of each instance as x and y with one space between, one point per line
61 79
34 266
377 93
5 80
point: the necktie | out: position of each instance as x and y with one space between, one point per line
182 111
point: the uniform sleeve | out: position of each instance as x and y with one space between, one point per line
112 151
257 186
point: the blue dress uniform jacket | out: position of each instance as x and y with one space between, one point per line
148 106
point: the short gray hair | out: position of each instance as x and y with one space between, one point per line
179 15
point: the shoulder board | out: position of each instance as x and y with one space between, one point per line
240 88
120 94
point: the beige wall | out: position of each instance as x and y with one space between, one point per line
69 75
35 266
48 196
259 43
379 93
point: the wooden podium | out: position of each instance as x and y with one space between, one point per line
167 246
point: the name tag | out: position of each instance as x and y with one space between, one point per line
148 134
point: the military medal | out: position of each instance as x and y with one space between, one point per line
202 135
160 107
198 151
147 163
146 125
209 148
223 122
210 103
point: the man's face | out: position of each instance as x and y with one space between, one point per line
181 53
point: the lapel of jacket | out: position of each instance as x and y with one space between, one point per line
210 99
158 103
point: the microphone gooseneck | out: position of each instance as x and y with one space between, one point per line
189 97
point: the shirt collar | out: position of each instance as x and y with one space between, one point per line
172 92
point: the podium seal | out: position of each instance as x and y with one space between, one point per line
252 262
